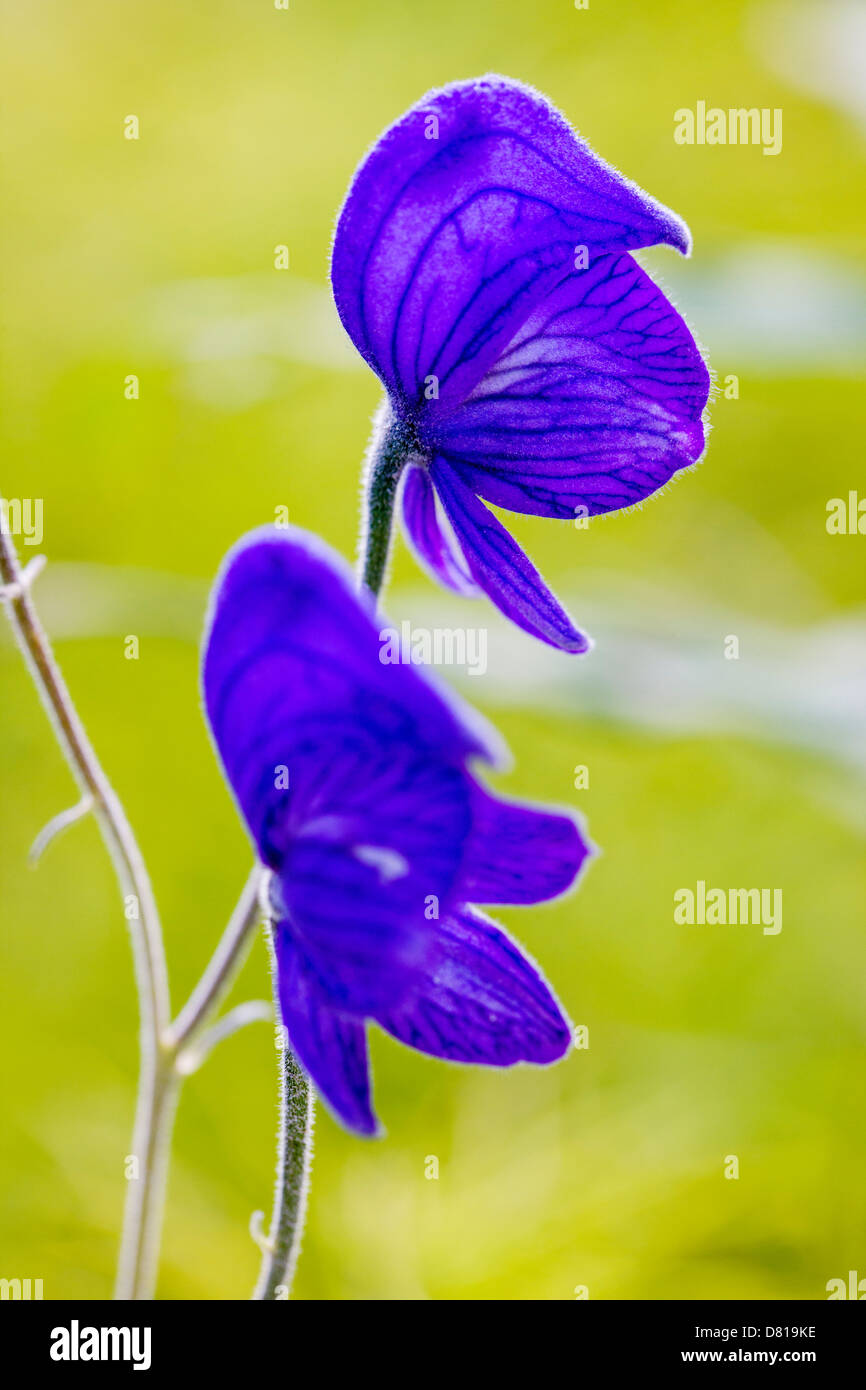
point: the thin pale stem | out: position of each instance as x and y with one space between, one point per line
155 1120
241 1016
166 1056
145 1200
145 1194
56 826
96 788
226 961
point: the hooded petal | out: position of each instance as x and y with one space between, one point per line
485 1002
429 537
349 772
519 854
464 214
286 638
595 402
331 1047
500 567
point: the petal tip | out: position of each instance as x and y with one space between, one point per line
363 1126
559 1047
584 850
682 237
371 1128
579 645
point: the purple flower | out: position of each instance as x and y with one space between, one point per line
353 778
481 267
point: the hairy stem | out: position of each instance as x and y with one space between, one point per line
145 1194
391 446
294 1154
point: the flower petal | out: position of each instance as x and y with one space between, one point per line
485 1002
594 404
292 652
354 881
434 546
462 216
519 854
500 567
332 1048
350 773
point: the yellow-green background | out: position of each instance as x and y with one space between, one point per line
155 257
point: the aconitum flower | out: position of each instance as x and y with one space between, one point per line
481 267
354 780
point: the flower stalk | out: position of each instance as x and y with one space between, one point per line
96 793
163 1059
176 1059
154 1106
282 1245
391 447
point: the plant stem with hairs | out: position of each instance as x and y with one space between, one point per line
392 445
282 1246
391 448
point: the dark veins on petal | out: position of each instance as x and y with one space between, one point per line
446 244
377 817
596 401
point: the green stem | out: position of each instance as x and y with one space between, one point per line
294 1153
392 445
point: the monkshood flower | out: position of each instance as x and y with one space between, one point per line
481 267
354 780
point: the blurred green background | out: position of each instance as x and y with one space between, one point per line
155 257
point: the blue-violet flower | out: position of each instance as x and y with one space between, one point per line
481 266
354 780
